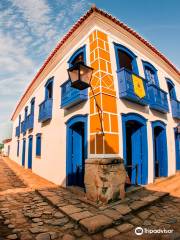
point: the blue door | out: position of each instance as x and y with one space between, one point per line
23 152
77 160
177 143
30 152
158 135
160 149
135 148
76 150
136 156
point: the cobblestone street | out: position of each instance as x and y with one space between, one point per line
33 208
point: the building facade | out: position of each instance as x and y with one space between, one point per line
7 147
131 111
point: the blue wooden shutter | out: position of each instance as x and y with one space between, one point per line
38 145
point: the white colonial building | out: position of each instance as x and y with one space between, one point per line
132 110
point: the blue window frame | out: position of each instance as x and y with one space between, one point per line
49 89
150 73
32 105
45 107
71 96
125 58
38 144
18 148
19 120
78 56
171 89
175 103
25 112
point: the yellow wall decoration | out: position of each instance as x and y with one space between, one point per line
104 91
138 86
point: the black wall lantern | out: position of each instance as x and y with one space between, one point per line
80 75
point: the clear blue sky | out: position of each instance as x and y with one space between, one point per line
29 30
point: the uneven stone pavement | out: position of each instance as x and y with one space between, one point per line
38 209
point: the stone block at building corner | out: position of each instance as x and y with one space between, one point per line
104 179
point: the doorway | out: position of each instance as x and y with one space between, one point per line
177 147
160 149
23 152
135 148
30 152
76 150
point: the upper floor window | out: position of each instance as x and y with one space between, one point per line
19 120
49 89
78 56
25 112
171 89
32 105
150 73
125 58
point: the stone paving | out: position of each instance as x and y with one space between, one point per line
39 210
8 179
94 219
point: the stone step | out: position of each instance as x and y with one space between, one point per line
133 189
93 220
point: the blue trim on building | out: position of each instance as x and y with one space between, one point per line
177 148
38 144
71 96
171 89
23 152
45 108
117 47
30 149
175 103
153 69
163 161
76 53
69 124
49 81
126 87
32 104
143 179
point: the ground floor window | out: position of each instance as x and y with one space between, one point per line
38 145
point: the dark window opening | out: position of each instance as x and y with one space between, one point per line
171 90
32 106
19 120
26 112
125 60
49 91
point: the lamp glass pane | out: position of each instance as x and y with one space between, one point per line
74 75
85 74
